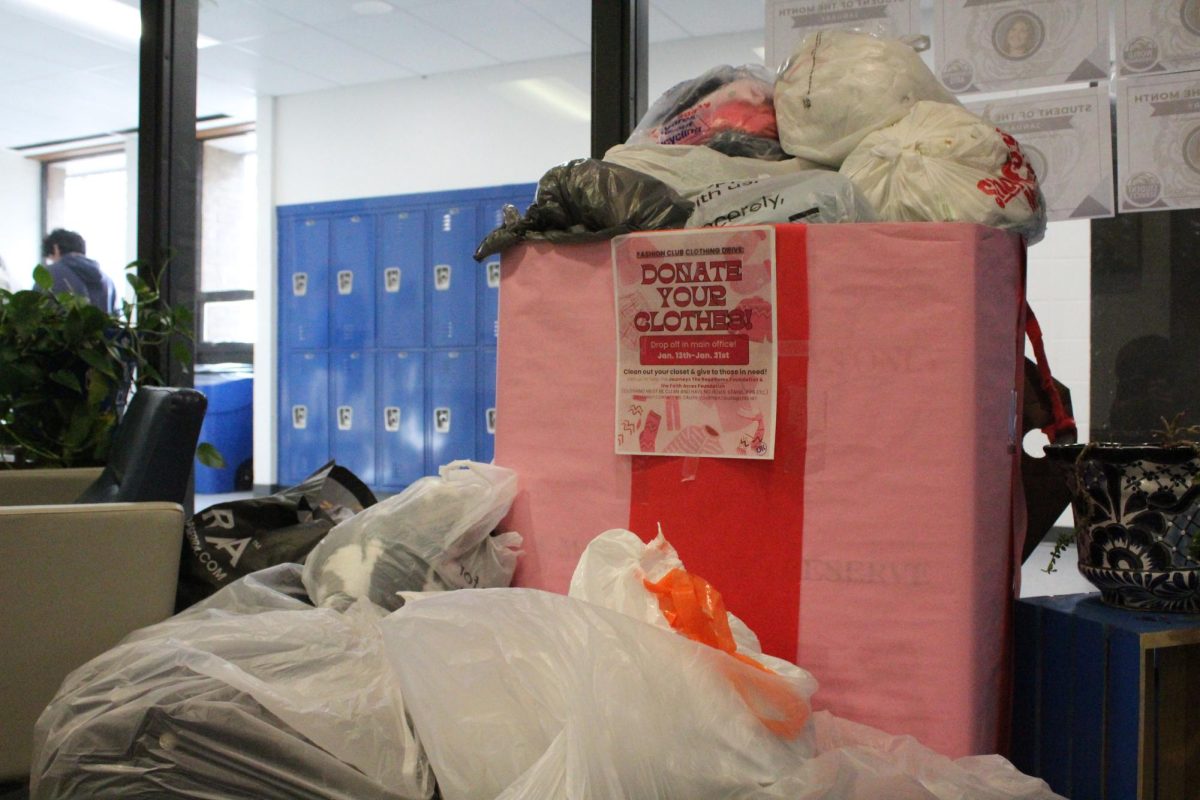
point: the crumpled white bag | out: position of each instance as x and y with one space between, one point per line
250 693
521 694
689 169
434 535
809 196
839 86
942 163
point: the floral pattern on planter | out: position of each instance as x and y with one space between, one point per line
1137 513
1146 590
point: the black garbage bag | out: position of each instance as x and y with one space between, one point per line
589 200
229 540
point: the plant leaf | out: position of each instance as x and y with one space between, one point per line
43 278
67 379
208 455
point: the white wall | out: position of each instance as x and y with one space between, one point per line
20 216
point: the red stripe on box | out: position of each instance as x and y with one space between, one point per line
739 523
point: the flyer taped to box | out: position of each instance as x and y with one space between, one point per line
696 343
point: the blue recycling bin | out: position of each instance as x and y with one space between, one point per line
228 425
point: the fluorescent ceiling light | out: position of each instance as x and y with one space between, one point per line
558 94
104 16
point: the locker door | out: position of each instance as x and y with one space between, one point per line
352 421
304 415
400 423
485 405
304 283
488 291
453 276
451 419
400 280
352 281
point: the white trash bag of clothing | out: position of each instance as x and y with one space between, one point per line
810 196
521 694
838 86
250 693
942 163
435 535
689 170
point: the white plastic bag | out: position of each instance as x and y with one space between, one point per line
251 693
943 163
810 196
690 170
840 86
524 695
433 535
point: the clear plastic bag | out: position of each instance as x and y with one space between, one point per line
250 693
811 196
724 98
434 535
524 695
690 170
943 163
841 85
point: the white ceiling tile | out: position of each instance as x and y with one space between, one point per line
711 17
48 41
330 58
218 97
573 16
310 12
663 28
504 29
235 65
410 42
233 20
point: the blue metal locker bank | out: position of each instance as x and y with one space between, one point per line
387 333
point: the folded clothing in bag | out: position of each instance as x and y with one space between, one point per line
250 693
941 163
434 535
723 99
586 200
809 196
229 540
841 85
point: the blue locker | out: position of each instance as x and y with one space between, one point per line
488 292
352 420
304 415
485 405
451 420
400 418
304 283
352 281
453 275
400 280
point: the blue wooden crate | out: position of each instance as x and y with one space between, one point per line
1106 702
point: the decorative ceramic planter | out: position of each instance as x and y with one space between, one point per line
1137 514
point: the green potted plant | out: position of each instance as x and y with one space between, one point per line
1137 518
66 367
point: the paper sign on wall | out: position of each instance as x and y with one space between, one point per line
1162 36
789 21
1158 142
696 343
1067 137
991 45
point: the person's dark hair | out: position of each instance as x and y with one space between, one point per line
67 241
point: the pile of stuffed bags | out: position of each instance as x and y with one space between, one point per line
854 128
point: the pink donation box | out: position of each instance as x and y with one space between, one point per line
877 548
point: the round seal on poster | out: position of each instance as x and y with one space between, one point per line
1140 54
1018 35
1037 162
1143 189
1191 149
1189 13
958 75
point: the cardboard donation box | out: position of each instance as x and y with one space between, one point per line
875 548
